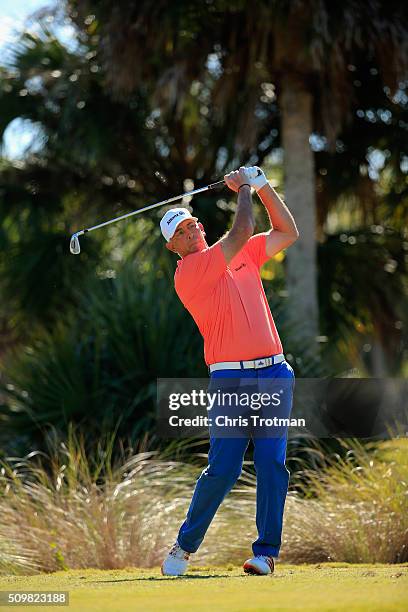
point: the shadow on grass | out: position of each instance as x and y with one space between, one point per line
187 577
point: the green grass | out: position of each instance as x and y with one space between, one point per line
321 587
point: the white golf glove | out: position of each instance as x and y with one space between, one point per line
256 177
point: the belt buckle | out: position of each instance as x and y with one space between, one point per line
262 363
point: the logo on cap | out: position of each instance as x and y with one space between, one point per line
179 214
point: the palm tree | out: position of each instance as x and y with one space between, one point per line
306 53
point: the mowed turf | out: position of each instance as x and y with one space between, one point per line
323 587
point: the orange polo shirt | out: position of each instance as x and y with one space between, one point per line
228 302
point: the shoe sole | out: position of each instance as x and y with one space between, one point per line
251 569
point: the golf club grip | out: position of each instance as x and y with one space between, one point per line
222 183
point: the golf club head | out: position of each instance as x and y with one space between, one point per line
74 245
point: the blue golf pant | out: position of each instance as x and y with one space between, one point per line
225 460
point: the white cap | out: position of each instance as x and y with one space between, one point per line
171 219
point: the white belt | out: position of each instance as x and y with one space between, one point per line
263 362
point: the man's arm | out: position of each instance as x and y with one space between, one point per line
243 224
283 230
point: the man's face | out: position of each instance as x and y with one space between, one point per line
188 238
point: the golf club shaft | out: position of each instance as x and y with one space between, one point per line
136 212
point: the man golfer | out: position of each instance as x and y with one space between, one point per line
221 287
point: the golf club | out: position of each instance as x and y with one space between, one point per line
74 245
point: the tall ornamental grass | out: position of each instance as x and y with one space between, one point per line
355 509
66 511
69 511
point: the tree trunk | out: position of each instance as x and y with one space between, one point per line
301 257
378 360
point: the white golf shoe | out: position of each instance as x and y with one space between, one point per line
260 565
176 562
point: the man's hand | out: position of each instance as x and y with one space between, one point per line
256 177
234 180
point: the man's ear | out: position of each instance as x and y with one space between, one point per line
170 247
201 226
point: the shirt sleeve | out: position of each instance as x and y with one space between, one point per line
255 248
199 273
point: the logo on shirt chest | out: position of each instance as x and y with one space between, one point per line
240 266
